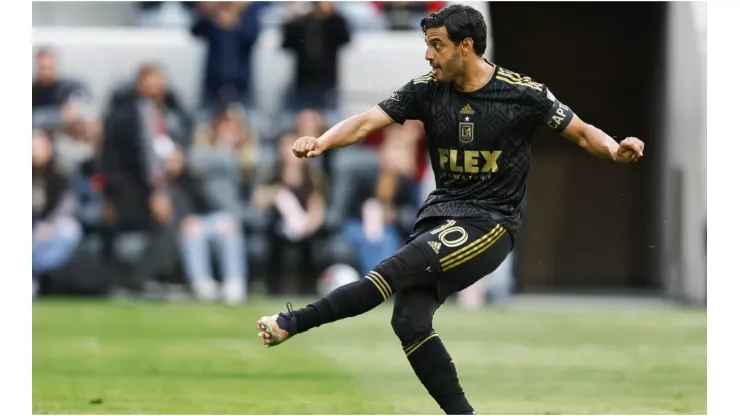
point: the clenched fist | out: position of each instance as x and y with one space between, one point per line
307 146
630 150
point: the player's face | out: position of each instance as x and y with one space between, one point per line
443 55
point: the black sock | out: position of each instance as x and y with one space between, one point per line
346 301
434 368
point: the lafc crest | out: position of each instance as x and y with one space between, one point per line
466 131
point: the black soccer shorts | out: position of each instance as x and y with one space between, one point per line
461 251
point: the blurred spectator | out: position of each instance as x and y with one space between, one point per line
295 195
309 122
374 229
315 39
56 232
77 155
54 99
413 130
77 144
223 156
230 30
149 107
142 161
361 15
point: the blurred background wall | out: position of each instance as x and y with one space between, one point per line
629 68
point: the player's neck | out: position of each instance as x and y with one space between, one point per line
475 76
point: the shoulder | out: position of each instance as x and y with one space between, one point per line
422 88
424 79
521 86
423 83
417 88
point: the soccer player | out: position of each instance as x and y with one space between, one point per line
479 119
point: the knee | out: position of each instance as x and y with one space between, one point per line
227 224
191 227
408 329
69 229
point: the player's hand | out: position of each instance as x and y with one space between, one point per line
307 146
630 150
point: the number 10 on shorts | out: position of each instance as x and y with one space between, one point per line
451 235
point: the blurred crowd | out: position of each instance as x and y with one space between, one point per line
145 190
145 195
360 15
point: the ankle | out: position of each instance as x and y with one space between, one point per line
306 318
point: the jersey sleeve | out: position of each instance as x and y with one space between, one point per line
404 103
551 112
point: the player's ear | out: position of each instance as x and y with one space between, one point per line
466 46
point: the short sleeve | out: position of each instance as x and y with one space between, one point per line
405 103
551 112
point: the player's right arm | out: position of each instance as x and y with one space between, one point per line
402 105
344 133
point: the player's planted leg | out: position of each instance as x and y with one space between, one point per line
403 269
412 323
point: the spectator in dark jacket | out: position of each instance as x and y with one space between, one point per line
316 39
144 127
143 165
230 30
56 232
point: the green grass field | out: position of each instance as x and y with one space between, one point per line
155 358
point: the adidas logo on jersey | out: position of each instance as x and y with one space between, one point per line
467 110
435 245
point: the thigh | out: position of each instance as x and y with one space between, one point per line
461 251
210 223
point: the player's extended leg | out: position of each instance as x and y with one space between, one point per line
408 267
454 255
412 322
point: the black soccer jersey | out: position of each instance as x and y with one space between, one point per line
479 142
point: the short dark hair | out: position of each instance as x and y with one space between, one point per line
461 22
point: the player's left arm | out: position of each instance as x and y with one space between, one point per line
564 121
600 144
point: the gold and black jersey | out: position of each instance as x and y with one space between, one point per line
479 142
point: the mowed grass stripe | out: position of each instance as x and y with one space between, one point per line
155 359
545 362
199 359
